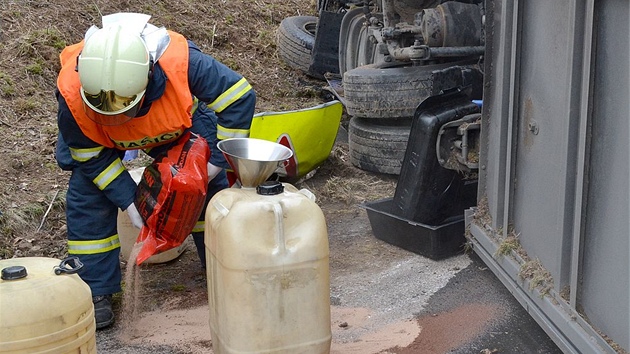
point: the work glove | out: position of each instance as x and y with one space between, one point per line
213 171
134 215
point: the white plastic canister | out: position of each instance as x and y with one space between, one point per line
128 234
44 308
268 272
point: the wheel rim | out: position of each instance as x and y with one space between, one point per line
355 48
310 28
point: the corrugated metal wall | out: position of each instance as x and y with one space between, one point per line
554 164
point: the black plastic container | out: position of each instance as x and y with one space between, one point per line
426 192
431 241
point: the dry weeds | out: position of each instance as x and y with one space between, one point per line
538 276
349 185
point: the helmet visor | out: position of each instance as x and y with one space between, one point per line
108 108
109 101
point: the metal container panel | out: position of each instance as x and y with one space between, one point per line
604 295
543 154
554 164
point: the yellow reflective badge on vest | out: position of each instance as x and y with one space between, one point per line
309 132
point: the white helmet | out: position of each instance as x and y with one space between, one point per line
113 68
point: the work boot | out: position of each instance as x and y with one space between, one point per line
103 312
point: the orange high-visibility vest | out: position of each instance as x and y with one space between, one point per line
168 117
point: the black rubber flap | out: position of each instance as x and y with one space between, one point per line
270 188
14 272
325 53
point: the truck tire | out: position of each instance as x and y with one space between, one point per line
295 39
388 90
378 145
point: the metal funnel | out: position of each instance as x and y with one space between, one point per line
253 160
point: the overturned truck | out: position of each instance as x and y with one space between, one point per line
548 147
382 59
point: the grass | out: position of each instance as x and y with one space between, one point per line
24 105
7 85
349 185
539 277
482 215
508 245
35 68
531 270
178 288
32 42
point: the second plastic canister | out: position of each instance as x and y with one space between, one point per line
268 272
45 308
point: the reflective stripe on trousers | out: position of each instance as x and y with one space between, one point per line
92 236
93 246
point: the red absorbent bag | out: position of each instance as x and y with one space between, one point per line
171 195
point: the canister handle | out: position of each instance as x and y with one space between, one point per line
308 194
69 265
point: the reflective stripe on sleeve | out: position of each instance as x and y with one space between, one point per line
194 106
93 246
230 96
83 155
226 133
109 174
199 226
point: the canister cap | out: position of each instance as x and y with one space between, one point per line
270 188
13 273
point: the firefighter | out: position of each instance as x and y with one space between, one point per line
133 86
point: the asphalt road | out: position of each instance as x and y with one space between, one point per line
511 331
